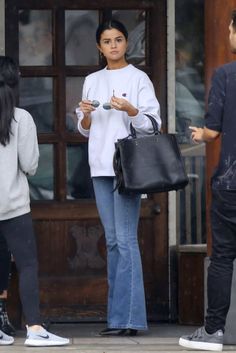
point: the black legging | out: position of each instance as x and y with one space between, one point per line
19 235
5 264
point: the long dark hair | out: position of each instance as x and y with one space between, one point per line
109 25
233 17
9 77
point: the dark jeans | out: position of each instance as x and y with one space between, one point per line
220 271
19 235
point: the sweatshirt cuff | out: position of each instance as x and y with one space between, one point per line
80 116
136 120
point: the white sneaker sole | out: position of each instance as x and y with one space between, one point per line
201 345
45 343
6 343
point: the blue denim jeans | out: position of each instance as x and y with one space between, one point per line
119 215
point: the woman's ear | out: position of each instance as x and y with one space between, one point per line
99 48
100 51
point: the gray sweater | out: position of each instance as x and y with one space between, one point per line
18 158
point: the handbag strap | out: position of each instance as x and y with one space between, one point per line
154 125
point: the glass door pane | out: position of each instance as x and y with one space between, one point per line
42 183
80 42
134 21
36 96
73 96
79 183
35 37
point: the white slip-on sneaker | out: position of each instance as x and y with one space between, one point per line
5 340
43 338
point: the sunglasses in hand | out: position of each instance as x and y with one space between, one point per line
106 106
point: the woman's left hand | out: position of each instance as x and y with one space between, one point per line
123 105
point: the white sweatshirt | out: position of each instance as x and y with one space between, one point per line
18 158
107 126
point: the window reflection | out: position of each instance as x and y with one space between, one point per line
79 183
36 97
80 43
41 184
35 37
190 109
134 21
189 46
189 90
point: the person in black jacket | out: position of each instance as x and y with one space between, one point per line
220 120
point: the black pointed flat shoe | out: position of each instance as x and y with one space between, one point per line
112 332
131 332
118 332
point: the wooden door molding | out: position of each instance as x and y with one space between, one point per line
73 281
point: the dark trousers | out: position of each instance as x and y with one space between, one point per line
220 271
5 264
19 236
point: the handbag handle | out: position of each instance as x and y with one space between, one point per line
154 125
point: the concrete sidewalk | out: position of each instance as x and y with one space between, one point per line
159 338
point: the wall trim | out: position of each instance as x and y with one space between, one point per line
172 232
2 27
171 107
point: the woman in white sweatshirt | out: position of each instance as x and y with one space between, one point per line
19 156
113 98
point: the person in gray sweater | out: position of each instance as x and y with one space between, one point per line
19 156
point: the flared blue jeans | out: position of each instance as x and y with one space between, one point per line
119 215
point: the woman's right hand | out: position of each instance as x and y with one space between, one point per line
86 107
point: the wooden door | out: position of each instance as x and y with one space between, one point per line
54 43
217 51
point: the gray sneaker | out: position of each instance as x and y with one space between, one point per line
200 339
43 338
5 340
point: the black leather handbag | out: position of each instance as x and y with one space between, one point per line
148 164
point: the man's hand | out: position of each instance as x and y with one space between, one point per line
197 134
203 134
